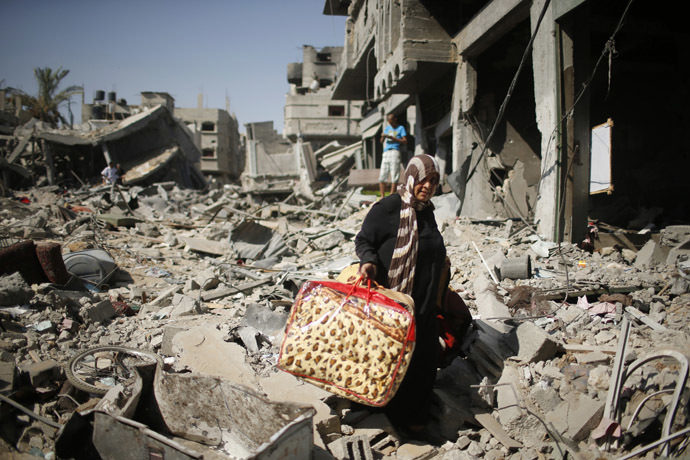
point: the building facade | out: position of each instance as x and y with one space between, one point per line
506 93
219 141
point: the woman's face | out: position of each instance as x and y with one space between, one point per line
424 190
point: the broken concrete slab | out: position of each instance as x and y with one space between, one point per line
216 248
167 342
490 305
508 404
203 350
329 241
182 305
415 451
281 386
534 343
236 419
650 255
496 430
269 322
545 396
679 252
577 417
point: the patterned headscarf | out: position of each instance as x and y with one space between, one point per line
402 269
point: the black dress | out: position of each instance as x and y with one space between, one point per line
375 243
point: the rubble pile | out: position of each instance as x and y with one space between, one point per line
571 352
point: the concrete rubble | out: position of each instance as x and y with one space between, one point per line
205 280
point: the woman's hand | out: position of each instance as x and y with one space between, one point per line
368 271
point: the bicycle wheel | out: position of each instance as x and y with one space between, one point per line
99 369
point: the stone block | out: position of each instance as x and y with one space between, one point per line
41 372
380 432
351 448
98 313
534 343
14 290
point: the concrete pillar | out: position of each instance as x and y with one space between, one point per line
464 93
50 161
420 144
575 35
546 94
477 196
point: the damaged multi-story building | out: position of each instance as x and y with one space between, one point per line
215 132
219 139
315 125
311 113
555 112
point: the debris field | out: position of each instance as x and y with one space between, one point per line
571 353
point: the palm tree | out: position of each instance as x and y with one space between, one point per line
46 106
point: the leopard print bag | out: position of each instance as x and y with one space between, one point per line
353 341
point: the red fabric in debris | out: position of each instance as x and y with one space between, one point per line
21 257
122 309
50 258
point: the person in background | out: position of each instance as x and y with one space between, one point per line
392 136
400 247
109 174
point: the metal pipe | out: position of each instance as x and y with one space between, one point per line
30 413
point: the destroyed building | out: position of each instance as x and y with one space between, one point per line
215 131
152 146
157 334
311 114
221 155
581 88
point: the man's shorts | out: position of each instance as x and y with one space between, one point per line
390 167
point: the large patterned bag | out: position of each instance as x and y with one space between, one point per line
353 341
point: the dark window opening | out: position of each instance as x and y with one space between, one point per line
208 126
323 57
336 110
498 176
208 153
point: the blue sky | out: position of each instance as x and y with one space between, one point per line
236 48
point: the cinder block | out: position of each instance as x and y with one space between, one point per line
41 372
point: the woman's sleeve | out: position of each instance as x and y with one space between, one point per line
368 239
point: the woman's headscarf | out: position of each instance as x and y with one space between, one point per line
402 268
